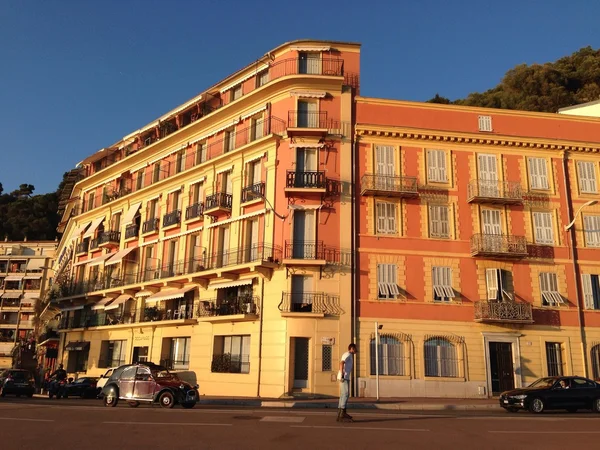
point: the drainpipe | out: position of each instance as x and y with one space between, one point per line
353 287
260 335
573 255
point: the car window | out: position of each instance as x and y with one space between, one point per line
128 373
143 374
543 383
81 380
108 373
117 372
580 383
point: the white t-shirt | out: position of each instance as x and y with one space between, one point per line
348 360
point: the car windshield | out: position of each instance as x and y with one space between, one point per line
543 383
161 372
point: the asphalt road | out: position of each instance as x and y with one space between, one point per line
86 424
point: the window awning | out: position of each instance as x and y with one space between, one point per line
14 278
231 284
310 48
99 260
102 303
77 232
77 346
118 302
131 212
93 227
31 296
169 294
143 294
118 257
11 295
308 94
33 276
36 264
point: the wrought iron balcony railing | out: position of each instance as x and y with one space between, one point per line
132 231
218 200
498 245
245 255
150 225
312 179
83 247
95 243
373 184
304 250
172 218
307 119
495 191
505 311
246 304
194 211
253 192
309 302
110 236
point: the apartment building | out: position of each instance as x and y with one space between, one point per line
214 240
24 278
478 248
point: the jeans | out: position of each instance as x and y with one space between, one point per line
344 393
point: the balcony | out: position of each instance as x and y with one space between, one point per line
305 181
82 248
132 231
195 211
304 253
255 253
498 245
503 312
294 66
309 304
110 239
114 194
95 243
497 192
229 310
218 202
172 218
388 186
150 226
311 123
253 192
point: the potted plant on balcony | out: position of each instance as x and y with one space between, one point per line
151 313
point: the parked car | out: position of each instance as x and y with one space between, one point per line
569 393
103 379
85 387
148 383
16 382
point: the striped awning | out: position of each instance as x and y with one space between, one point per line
99 260
117 302
169 294
77 232
11 295
93 227
118 257
102 303
14 278
228 284
35 264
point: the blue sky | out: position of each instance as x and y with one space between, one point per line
77 75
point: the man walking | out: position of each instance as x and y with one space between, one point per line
346 365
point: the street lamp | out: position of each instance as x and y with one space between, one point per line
377 328
590 203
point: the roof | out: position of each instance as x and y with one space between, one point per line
580 105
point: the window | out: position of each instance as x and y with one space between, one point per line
180 161
178 351
196 193
591 225
485 123
115 222
441 359
595 357
229 141
387 281
77 361
542 225
591 291
256 128
151 209
173 201
309 63
436 166
386 218
554 359
139 183
390 356
549 288
231 354
112 353
538 173
439 226
308 114
442 284
491 221
262 78
236 92
587 177
488 185
498 285
326 357
91 197
200 153
156 172
384 160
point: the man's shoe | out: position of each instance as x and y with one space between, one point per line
339 416
345 415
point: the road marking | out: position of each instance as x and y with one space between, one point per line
352 427
172 423
544 432
26 420
282 419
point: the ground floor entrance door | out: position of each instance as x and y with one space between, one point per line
140 354
300 346
501 367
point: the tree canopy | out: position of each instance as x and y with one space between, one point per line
571 80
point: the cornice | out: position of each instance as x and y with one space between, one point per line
458 138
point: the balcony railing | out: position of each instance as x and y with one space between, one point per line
194 211
312 119
110 236
113 194
312 179
485 191
506 312
245 255
253 192
218 200
498 245
309 302
172 218
83 247
386 185
95 243
304 250
132 231
150 225
229 307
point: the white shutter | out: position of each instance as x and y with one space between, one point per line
382 281
588 292
444 223
443 176
309 227
544 233
381 219
392 280
491 277
491 221
391 218
547 225
434 221
543 174
591 225
587 176
432 167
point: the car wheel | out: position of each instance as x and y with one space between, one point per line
596 405
188 405
512 410
536 406
133 404
166 400
111 399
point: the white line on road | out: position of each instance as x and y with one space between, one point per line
26 420
172 423
352 427
544 432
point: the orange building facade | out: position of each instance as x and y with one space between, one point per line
463 252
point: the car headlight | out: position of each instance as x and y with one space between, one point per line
519 397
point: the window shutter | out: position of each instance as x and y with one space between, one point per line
391 217
391 279
434 220
381 220
382 281
543 174
432 165
533 173
491 276
379 161
591 225
587 176
442 172
444 224
588 293
548 232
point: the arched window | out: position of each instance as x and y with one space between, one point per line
391 356
595 353
441 359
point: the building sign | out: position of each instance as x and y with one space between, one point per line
327 341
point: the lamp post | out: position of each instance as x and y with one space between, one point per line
377 328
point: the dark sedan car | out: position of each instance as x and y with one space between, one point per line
148 383
82 387
16 382
569 393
